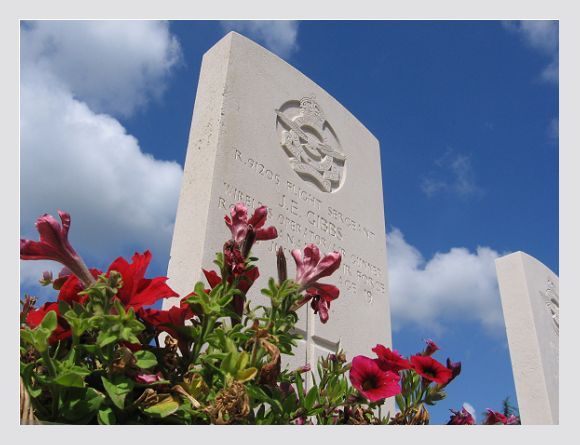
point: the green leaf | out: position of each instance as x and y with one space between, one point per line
72 377
246 374
89 349
118 389
80 405
145 359
106 416
400 402
49 321
230 346
164 408
27 336
63 307
229 363
105 338
311 398
258 394
299 387
26 372
243 360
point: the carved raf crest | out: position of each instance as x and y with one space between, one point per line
311 144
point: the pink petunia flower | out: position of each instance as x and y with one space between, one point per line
513 420
461 417
309 269
148 378
371 381
495 418
239 224
54 245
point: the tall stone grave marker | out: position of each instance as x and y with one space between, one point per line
262 133
530 300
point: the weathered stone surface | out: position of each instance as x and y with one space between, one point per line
263 133
530 300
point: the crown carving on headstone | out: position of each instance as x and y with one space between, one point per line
311 111
311 143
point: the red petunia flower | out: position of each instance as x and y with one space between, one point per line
461 417
495 418
390 360
371 381
35 317
138 291
167 320
54 245
239 224
430 369
321 296
71 286
244 282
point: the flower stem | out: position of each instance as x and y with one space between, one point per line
206 326
53 388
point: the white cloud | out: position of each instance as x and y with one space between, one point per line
279 36
456 285
114 66
542 36
454 174
79 160
471 410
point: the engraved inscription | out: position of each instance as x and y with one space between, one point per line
303 218
311 144
552 302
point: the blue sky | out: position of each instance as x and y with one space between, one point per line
466 114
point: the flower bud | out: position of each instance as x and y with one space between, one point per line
282 267
28 304
248 241
455 368
46 278
303 369
430 348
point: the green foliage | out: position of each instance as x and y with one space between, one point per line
222 366
38 337
145 359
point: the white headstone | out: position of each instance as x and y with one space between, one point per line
262 133
530 300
